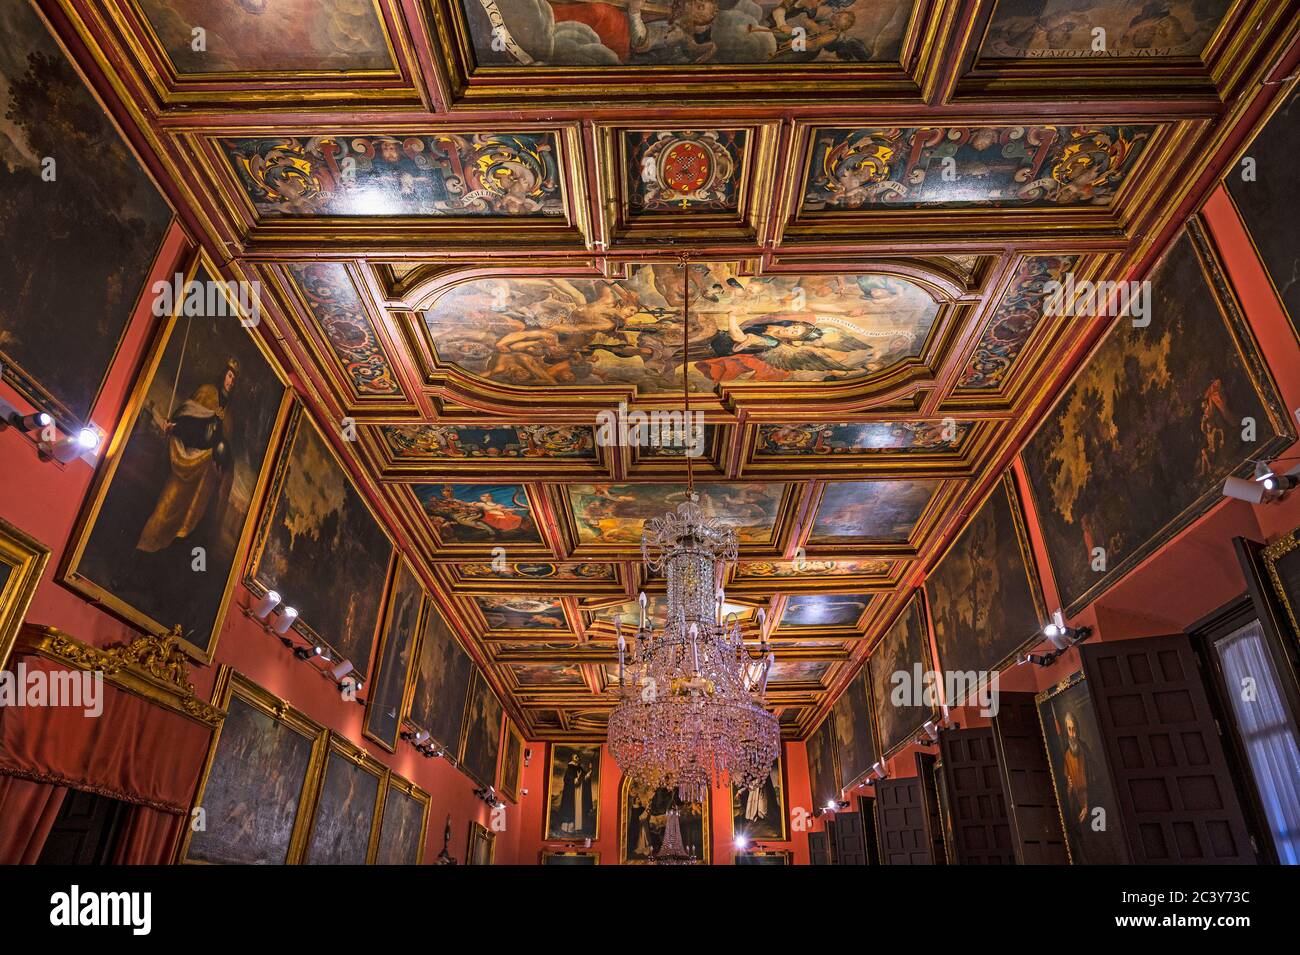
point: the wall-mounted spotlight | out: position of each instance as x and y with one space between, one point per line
1265 487
29 423
284 623
741 842
1061 637
488 795
528 756
309 653
83 442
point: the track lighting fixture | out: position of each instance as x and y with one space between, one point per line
284 623
1266 485
489 796
29 423
1061 637
83 442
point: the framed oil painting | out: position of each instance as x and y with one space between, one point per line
512 762
345 826
22 559
401 630
77 249
760 813
1063 29
1160 406
765 857
573 792
440 683
1282 561
569 857
855 736
257 787
643 818
822 774
986 603
482 845
1079 775
1264 200
904 648
320 547
483 717
171 510
404 823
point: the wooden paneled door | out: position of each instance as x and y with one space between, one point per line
819 852
900 823
1027 781
925 766
850 839
976 803
1172 779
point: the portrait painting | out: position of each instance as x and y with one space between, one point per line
321 548
822 774
690 170
334 303
569 857
80 225
345 811
758 811
855 735
512 763
171 510
479 175
453 442
532 34
994 166
1085 792
616 513
548 674
542 332
985 600
482 845
904 647
440 684
478 513
522 613
573 792
1158 406
401 832
280 37
1066 29
253 793
824 610
1264 198
396 646
855 511
866 438
643 822
482 747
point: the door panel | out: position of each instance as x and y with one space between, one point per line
1027 782
981 830
925 765
850 841
900 822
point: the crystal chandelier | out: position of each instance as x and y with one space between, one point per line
672 851
691 707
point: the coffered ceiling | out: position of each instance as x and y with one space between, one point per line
467 218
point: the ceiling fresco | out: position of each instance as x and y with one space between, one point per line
476 225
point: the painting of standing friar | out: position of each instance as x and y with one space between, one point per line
481 750
541 332
855 511
573 792
401 833
1085 793
1066 29
758 811
478 513
614 33
996 166
855 734
401 628
345 810
321 549
616 513
643 821
905 646
1265 199
288 35
1161 405
440 684
985 599
80 224
171 508
494 175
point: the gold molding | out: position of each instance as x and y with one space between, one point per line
23 559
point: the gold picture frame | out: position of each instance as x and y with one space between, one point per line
1274 555
394 782
482 844
552 750
704 850
765 857
512 742
347 750
549 854
783 801
22 560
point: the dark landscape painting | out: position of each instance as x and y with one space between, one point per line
1082 781
855 739
482 732
75 249
573 792
384 704
400 830
345 814
1157 407
253 790
985 601
442 678
821 763
512 763
851 511
759 813
906 645
1265 202
323 551
1064 29
172 511
643 821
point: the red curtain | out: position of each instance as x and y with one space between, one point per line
148 838
27 812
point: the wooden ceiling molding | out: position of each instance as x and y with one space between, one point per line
467 219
